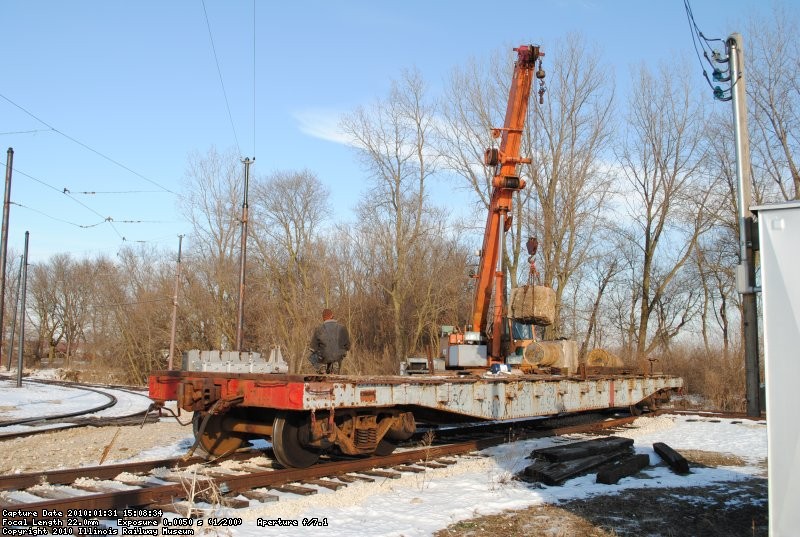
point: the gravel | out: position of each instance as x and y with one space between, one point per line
84 446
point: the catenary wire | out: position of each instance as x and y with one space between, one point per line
34 131
95 151
51 217
93 192
219 72
106 219
254 78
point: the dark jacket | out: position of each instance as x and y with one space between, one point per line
330 341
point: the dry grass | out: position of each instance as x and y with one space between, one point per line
717 377
711 458
536 521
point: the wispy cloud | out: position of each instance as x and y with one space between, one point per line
322 123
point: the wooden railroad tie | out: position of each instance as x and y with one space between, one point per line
382 473
555 473
579 450
326 483
556 464
613 472
137 483
675 460
406 468
98 487
260 496
231 500
199 480
431 464
50 494
351 478
295 489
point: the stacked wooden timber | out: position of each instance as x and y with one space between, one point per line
612 457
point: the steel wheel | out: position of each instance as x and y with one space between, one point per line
213 439
288 433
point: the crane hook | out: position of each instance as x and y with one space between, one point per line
540 74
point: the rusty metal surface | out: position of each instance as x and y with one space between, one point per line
495 399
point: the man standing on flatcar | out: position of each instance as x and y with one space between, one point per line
329 345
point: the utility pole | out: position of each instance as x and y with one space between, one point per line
10 350
4 244
243 255
22 309
175 306
746 270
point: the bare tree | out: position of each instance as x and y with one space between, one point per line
772 53
662 160
288 211
212 202
604 270
139 303
42 306
569 139
393 141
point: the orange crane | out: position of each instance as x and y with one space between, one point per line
505 159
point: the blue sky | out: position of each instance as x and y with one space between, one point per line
137 82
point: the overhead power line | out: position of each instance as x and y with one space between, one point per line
64 192
105 219
34 131
93 192
219 72
51 217
85 146
699 39
254 78
88 226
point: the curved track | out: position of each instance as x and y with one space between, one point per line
111 401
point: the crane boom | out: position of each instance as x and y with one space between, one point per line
506 181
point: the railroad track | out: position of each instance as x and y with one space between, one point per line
165 484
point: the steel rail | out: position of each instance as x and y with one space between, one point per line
110 471
160 494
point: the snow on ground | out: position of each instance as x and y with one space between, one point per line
420 504
35 399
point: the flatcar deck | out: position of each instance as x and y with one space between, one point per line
438 397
